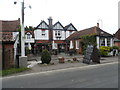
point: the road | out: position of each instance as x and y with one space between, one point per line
91 76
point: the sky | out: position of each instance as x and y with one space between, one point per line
81 13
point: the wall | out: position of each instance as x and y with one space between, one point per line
8 54
78 50
68 33
117 44
38 35
0 57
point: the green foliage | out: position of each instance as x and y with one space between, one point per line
104 50
115 47
29 28
87 40
19 28
12 71
45 57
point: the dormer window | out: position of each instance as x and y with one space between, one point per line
28 36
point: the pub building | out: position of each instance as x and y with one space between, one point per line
52 36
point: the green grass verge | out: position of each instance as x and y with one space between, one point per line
12 71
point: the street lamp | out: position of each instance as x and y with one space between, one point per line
23 58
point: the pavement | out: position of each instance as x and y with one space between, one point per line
34 63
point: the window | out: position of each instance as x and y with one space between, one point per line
77 44
58 35
102 41
108 42
43 32
28 36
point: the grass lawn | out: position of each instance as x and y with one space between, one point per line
12 71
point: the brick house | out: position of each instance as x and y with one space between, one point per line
102 38
117 40
52 36
8 42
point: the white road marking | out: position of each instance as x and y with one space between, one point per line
82 67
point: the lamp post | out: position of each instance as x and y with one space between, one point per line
22 32
22 29
23 58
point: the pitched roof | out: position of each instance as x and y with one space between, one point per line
55 27
31 32
70 27
9 26
117 34
42 25
93 30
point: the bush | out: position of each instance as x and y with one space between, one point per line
87 40
115 47
104 50
45 57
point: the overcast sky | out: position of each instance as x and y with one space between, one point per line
82 13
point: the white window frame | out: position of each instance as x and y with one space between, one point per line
28 35
77 44
58 34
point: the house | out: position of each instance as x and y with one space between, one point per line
102 38
117 38
8 42
52 36
29 41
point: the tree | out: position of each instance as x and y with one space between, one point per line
29 28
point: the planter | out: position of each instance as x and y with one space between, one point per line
74 59
61 59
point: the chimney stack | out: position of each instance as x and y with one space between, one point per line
50 29
98 25
50 23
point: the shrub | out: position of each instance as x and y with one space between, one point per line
115 47
104 50
45 57
87 40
